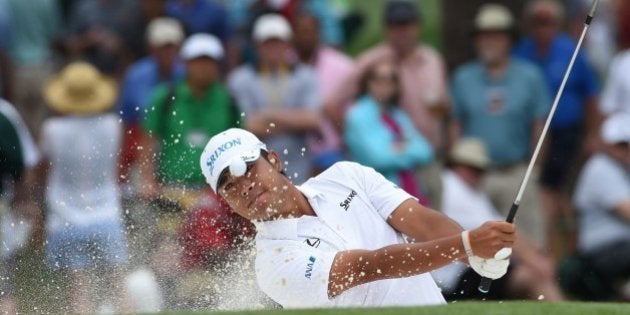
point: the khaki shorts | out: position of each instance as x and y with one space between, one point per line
502 184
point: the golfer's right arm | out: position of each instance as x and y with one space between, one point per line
355 267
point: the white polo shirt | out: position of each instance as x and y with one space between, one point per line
352 203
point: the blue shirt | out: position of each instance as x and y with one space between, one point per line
581 85
500 112
34 24
371 142
140 80
202 16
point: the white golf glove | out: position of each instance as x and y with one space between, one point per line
492 268
489 268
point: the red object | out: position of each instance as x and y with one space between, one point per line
129 149
212 228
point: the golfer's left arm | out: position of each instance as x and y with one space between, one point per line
421 223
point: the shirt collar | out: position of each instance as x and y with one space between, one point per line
309 192
284 228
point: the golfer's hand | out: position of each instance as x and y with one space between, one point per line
489 268
488 239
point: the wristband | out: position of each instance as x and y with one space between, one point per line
466 241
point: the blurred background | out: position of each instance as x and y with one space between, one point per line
107 105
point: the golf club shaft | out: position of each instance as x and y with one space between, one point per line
484 286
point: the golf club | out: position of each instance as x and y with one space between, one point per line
484 285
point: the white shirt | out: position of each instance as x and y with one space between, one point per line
468 207
617 90
352 203
603 184
83 155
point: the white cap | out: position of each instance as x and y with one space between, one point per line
471 152
271 26
231 148
163 30
494 17
616 129
202 45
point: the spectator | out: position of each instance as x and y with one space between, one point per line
108 33
381 135
602 197
279 99
18 157
532 273
503 101
330 27
423 82
330 66
84 221
162 66
34 26
179 116
576 119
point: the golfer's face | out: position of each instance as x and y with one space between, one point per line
257 195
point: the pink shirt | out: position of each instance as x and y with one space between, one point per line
424 84
331 68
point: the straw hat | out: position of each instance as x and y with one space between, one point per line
471 152
80 89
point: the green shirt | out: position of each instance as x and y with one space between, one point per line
184 126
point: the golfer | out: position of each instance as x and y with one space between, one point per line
347 237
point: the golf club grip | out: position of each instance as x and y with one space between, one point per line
484 284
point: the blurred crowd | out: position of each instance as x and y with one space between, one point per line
107 105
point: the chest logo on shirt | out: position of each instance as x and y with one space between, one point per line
496 101
346 203
313 242
309 267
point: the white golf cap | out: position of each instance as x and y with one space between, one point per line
493 17
271 26
616 129
232 148
471 152
202 45
162 31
